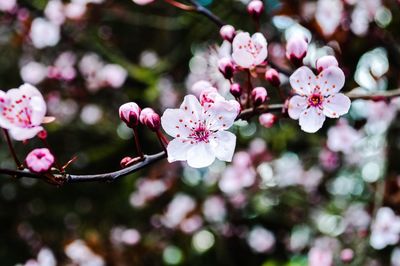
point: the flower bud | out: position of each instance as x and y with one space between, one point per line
267 120
125 161
296 49
150 119
272 76
225 66
39 160
236 90
42 134
130 113
347 255
255 8
325 62
259 95
227 32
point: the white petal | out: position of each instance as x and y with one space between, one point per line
192 108
221 115
311 120
297 104
241 39
243 58
177 150
331 80
20 134
260 42
200 155
225 145
303 81
175 122
38 107
336 105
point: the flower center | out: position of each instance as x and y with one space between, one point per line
315 99
200 134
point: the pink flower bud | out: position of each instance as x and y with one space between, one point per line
150 119
255 8
130 113
259 95
125 161
347 255
39 160
225 66
267 120
325 62
227 32
272 76
296 49
236 90
42 134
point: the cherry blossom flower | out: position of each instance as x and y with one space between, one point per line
7 5
329 15
249 51
39 160
260 239
342 137
318 96
200 132
23 111
33 72
319 256
44 33
385 229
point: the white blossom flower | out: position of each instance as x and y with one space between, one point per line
249 51
329 15
22 111
385 229
318 96
342 137
44 33
200 132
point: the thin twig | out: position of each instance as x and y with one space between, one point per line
12 150
207 13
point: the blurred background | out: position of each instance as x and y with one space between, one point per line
288 198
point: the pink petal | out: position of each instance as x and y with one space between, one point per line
336 105
331 80
225 145
311 120
297 104
243 58
303 81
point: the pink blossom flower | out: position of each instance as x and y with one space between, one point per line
385 229
44 33
22 111
317 97
39 160
249 51
33 72
320 257
329 15
113 75
342 137
54 11
199 132
260 239
7 5
267 120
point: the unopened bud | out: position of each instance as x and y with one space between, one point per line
325 62
130 113
272 76
255 8
227 32
150 119
296 49
259 95
225 66
125 161
42 134
347 255
267 120
236 90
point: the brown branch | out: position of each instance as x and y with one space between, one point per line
207 13
376 96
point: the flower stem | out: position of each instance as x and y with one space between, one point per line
163 140
180 5
12 150
249 88
137 143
